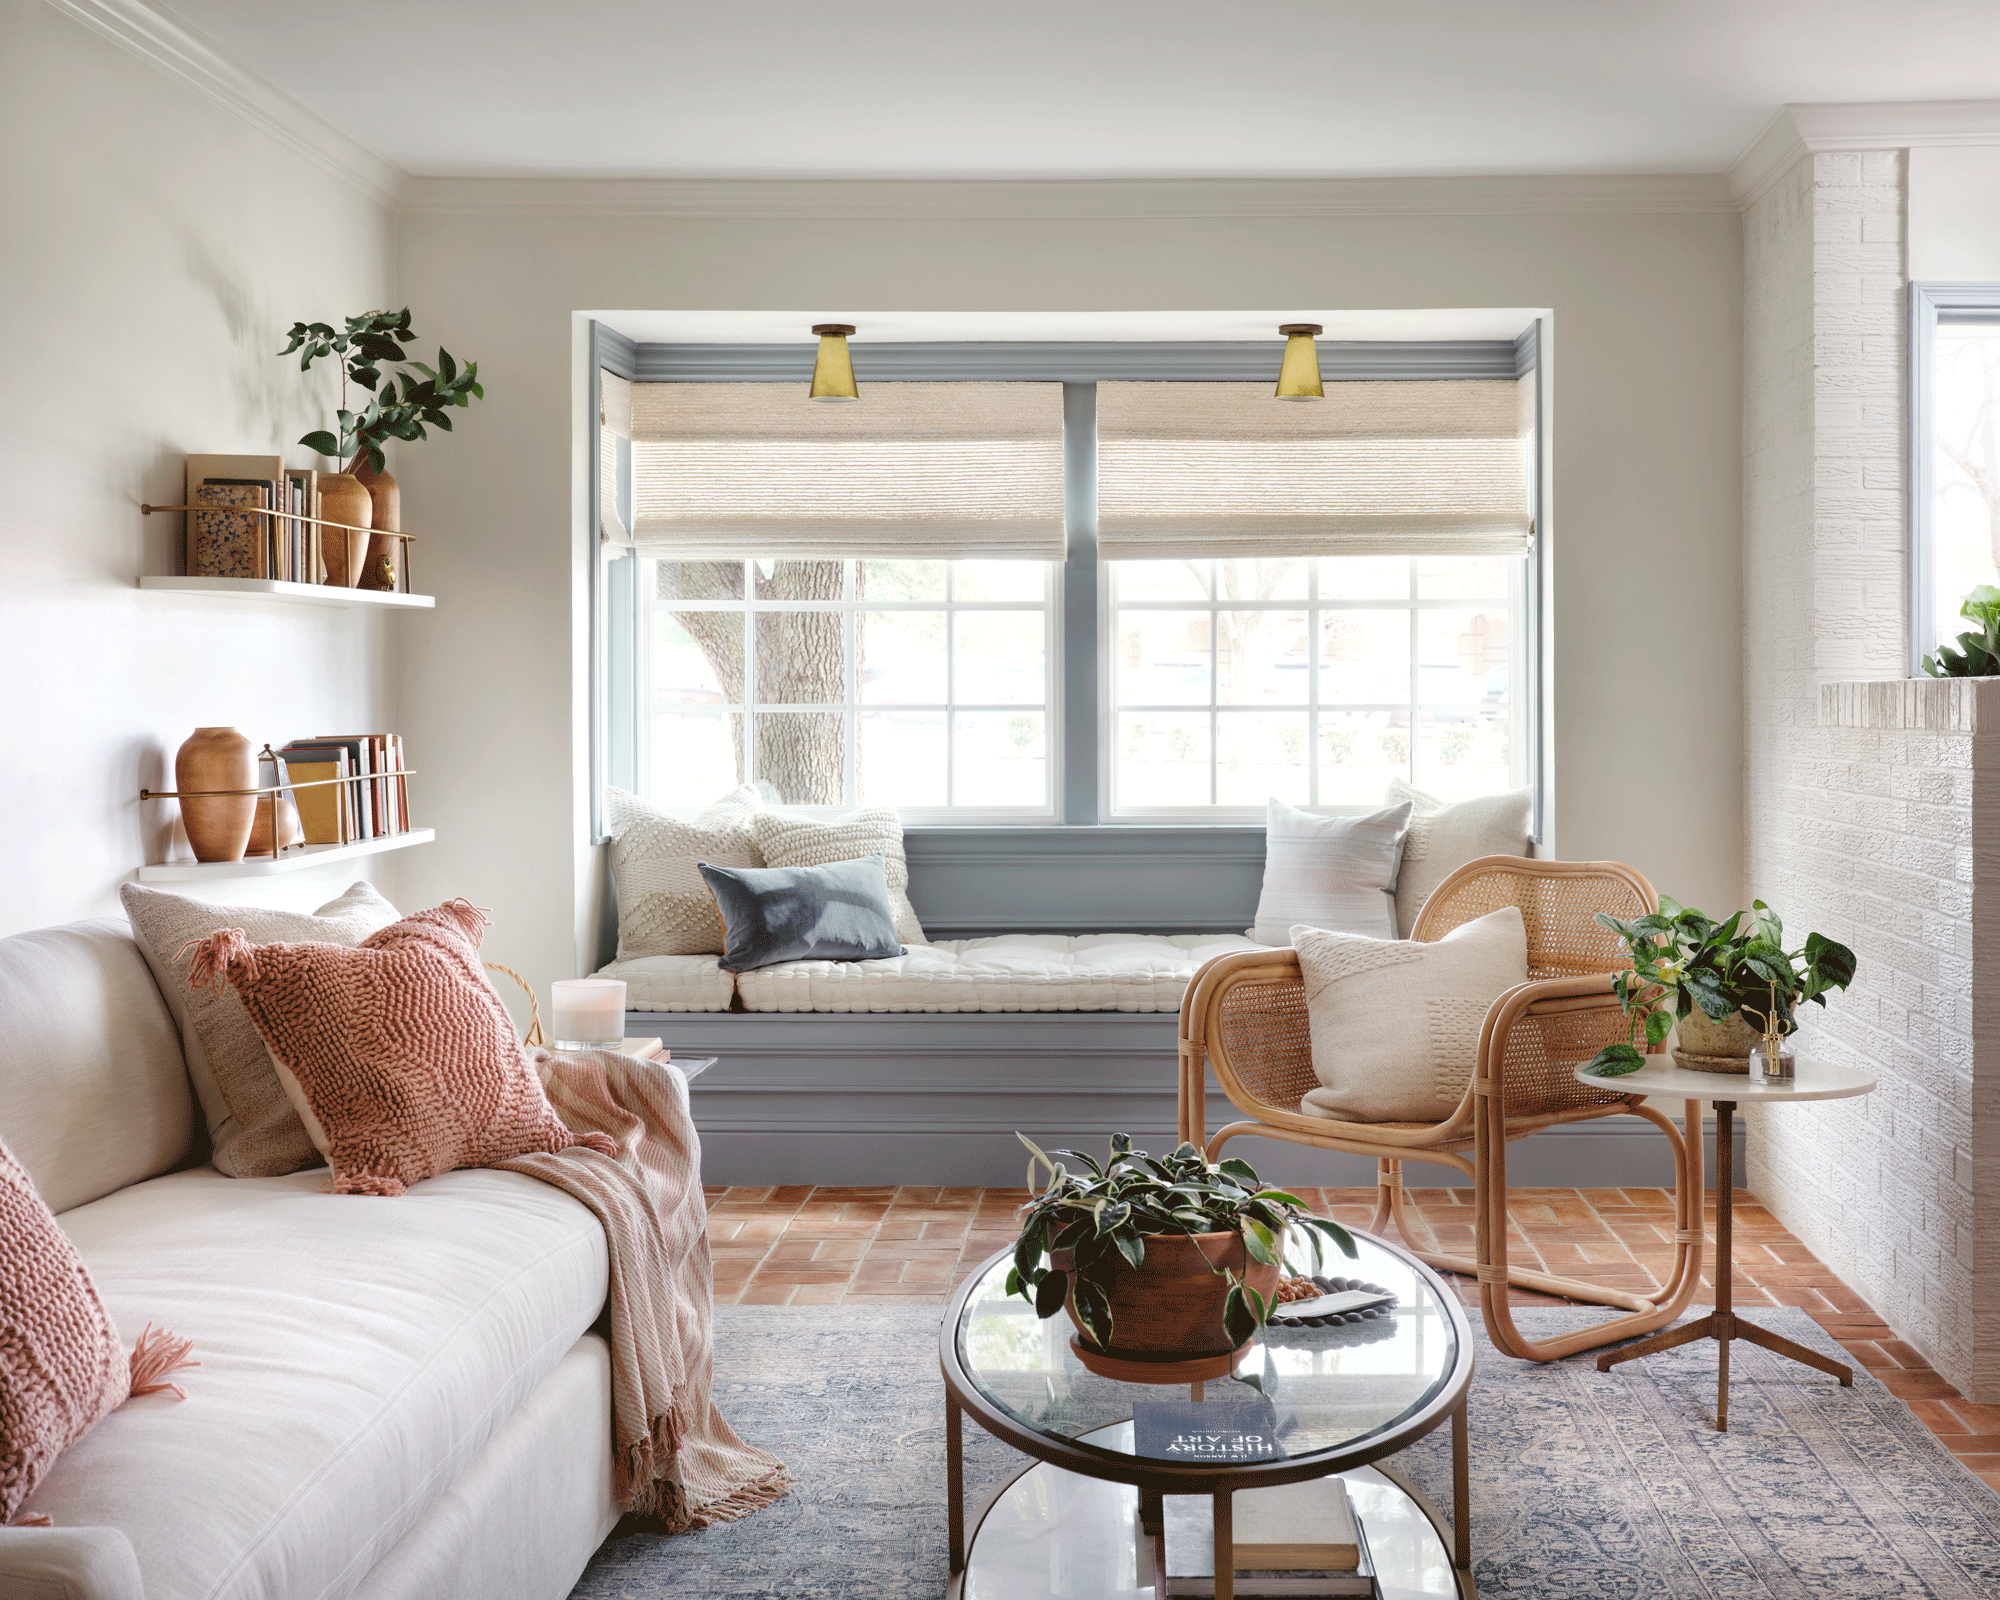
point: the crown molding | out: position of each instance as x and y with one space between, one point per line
1801 130
232 83
1063 199
1766 159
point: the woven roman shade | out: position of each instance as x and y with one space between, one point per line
614 422
1186 470
911 470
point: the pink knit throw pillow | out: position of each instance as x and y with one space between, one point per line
62 1367
406 1055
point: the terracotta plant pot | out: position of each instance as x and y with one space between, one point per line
1168 1310
218 829
1701 1044
378 570
343 499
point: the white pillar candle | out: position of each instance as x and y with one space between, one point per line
590 1012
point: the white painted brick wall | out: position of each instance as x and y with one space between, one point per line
1861 795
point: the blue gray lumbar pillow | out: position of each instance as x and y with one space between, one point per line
837 912
1329 872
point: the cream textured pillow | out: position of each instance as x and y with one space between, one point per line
1395 1024
1329 872
664 909
789 841
254 1130
1444 835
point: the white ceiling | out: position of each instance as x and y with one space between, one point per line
1090 88
793 327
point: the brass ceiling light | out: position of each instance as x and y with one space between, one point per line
833 371
1298 378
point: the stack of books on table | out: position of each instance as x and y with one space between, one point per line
229 535
1297 1540
375 804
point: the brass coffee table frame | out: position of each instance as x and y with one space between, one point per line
1156 1479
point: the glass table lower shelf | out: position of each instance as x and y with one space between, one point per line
1056 1535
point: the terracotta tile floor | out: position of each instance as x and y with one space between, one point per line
912 1246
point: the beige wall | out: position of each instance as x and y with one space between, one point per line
155 247
1644 364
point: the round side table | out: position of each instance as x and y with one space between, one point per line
1812 1080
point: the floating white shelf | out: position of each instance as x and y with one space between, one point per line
314 594
297 860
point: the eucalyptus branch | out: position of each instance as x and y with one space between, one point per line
368 346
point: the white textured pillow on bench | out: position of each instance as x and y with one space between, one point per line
664 907
1395 1024
1329 872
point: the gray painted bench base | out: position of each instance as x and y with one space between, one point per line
832 1098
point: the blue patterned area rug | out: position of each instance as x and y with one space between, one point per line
1586 1485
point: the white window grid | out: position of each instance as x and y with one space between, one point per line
1315 608
851 707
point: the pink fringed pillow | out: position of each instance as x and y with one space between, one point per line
406 1056
62 1367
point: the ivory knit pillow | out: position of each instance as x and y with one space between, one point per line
1444 835
254 1131
405 1054
62 1367
1395 1024
664 908
789 841
1329 872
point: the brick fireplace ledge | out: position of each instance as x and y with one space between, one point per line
1932 705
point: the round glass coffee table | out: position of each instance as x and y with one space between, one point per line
1085 1521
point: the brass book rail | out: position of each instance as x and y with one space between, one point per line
270 792
317 522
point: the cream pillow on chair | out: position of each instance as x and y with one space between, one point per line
1395 1024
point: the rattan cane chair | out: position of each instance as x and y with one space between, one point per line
1244 1015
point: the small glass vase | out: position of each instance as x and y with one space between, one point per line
1772 1061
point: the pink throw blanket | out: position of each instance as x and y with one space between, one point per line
674 1457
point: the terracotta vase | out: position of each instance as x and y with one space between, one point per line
216 758
1701 1044
343 498
378 571
1166 1313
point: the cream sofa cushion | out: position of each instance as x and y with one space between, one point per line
1395 1024
1445 834
793 841
357 1355
1329 872
664 908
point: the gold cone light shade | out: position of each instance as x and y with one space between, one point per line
1298 378
833 371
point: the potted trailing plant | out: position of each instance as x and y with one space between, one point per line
1158 1259
1725 983
368 345
1978 654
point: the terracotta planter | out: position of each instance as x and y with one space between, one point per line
1167 1313
1701 1044
342 498
216 758
378 570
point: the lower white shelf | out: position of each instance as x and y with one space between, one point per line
297 860
312 594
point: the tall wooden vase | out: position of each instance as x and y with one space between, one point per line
218 827
344 499
378 571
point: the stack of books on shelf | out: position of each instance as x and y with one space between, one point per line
373 806
236 539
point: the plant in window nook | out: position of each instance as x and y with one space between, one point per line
363 494
1724 983
1978 654
1169 1258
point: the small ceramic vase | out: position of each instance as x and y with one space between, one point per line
378 571
290 832
218 828
343 499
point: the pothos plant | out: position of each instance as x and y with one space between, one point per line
1683 961
1978 654
1105 1214
366 345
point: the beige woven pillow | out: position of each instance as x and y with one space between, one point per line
664 908
1445 834
1395 1024
791 841
254 1130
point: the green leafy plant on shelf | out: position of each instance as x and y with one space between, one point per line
1104 1213
1978 654
1683 961
403 403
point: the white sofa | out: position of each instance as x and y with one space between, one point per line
396 1398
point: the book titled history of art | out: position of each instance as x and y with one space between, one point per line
1196 1432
